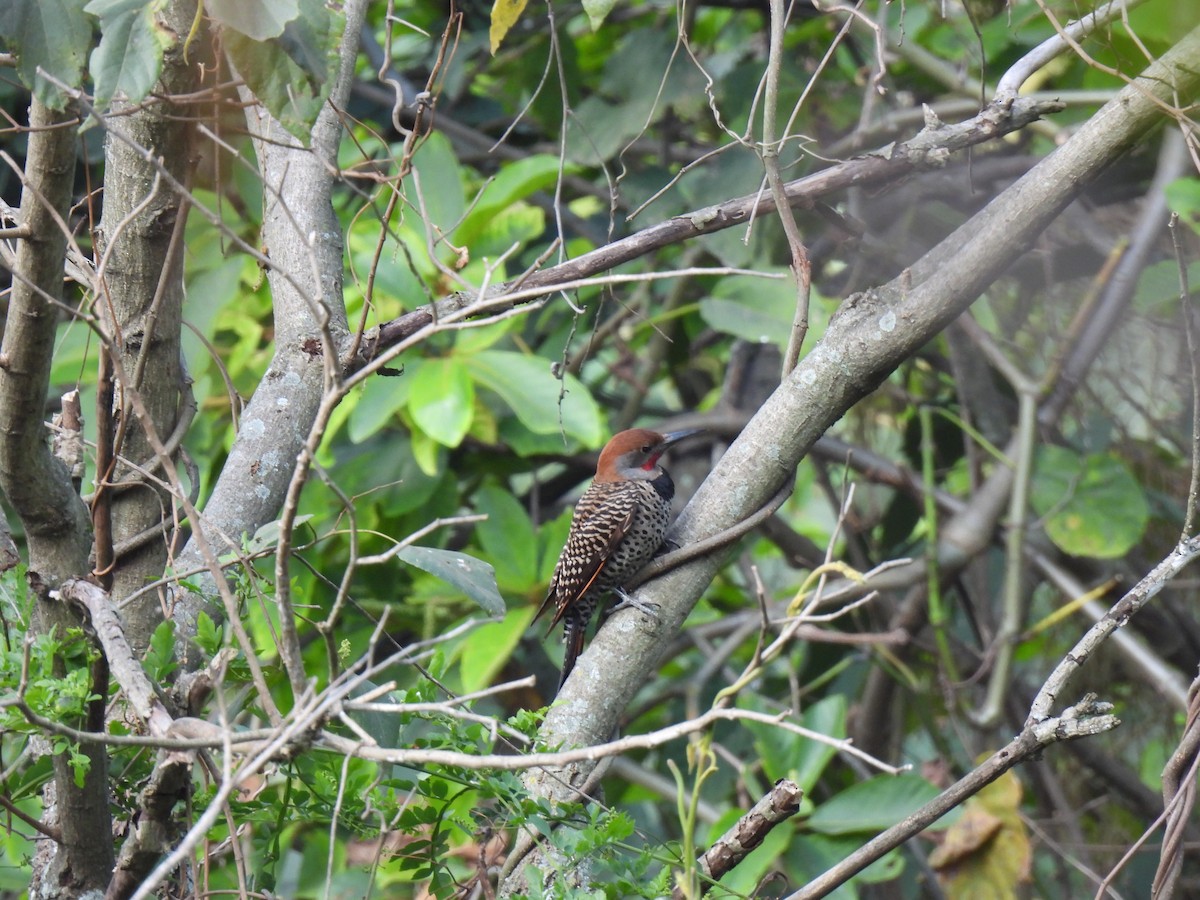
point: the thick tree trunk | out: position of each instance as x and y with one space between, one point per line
39 487
140 259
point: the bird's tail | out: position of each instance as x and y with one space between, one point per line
573 634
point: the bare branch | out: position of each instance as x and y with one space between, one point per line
1084 719
778 805
1118 617
929 149
1010 84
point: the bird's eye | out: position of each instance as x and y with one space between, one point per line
645 448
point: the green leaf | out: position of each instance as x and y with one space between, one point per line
258 20
389 460
472 340
1183 197
267 536
292 74
512 184
785 754
531 391
486 649
472 576
597 11
381 398
128 59
816 853
52 35
753 309
1158 285
504 16
160 657
208 635
441 400
80 764
872 805
1092 505
606 126
384 727
426 452
1163 23
441 185
827 717
517 225
507 537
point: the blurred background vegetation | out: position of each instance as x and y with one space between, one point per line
581 130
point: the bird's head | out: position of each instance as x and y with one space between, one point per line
633 455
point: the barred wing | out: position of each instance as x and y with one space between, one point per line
603 517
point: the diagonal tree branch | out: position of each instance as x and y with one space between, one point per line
1084 719
927 150
304 241
870 335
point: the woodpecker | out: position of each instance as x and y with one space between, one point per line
618 526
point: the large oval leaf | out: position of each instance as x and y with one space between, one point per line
507 537
512 184
441 400
259 20
50 39
381 397
485 650
129 57
872 805
472 576
751 308
785 754
292 73
532 392
1092 505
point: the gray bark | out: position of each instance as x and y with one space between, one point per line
303 239
872 333
38 486
140 244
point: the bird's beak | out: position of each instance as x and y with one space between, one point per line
674 437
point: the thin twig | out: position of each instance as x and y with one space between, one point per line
1086 718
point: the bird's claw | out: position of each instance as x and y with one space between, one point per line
642 606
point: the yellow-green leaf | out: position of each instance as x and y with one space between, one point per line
504 16
986 854
1076 495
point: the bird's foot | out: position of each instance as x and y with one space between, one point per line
629 602
667 546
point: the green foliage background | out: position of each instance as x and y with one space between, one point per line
499 421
